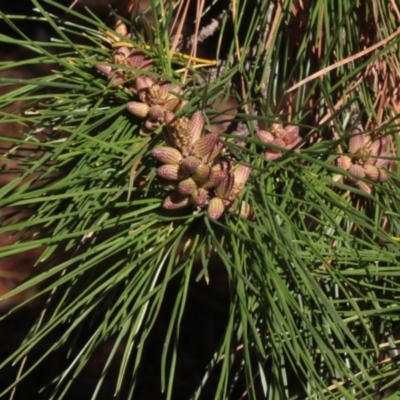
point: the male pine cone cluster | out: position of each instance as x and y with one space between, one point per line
286 137
366 159
194 164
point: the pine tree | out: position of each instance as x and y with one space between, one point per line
211 190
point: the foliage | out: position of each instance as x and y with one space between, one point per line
313 278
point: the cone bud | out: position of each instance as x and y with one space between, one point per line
215 208
187 186
223 165
356 143
171 172
167 155
172 104
137 59
291 134
223 190
265 136
364 187
376 174
169 116
151 125
156 113
384 161
344 162
200 197
215 152
105 69
272 155
168 94
175 201
190 164
196 125
138 109
122 51
215 178
375 149
205 145
357 170
246 211
277 130
144 82
241 175
164 88
279 142
117 79
202 173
